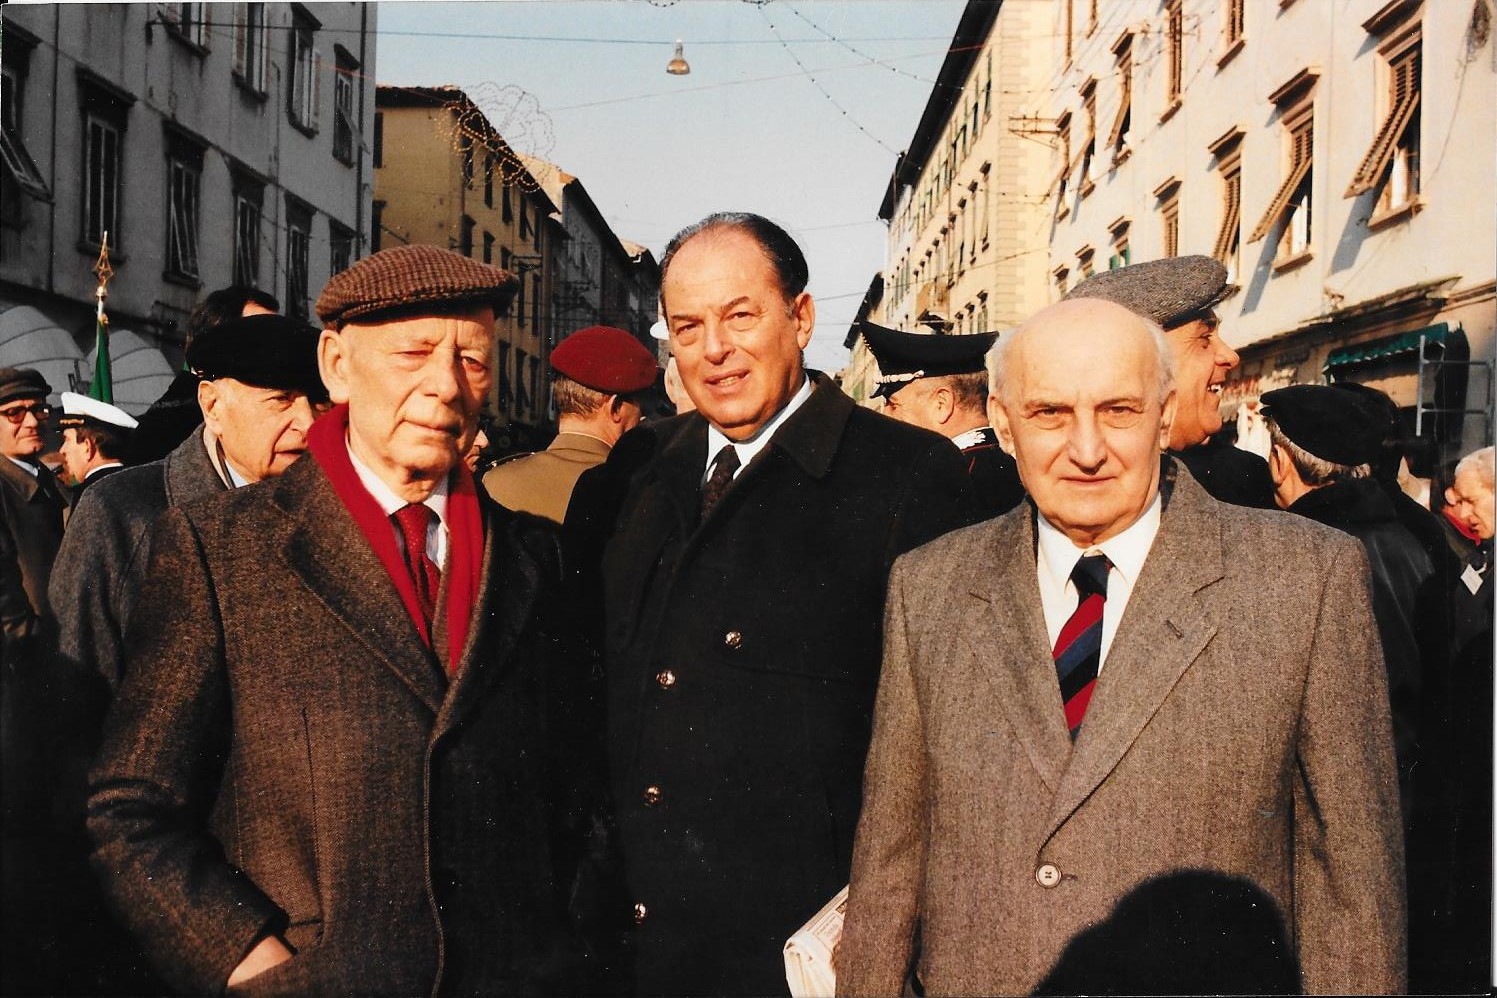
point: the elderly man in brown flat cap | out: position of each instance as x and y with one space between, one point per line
599 372
344 758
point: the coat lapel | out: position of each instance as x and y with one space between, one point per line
1164 629
1008 638
326 550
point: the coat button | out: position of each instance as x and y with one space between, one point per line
1047 875
652 795
733 639
666 678
640 912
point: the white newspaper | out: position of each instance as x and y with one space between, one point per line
808 953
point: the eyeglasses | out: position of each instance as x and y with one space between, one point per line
18 415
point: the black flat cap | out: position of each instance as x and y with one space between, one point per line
904 357
1171 291
409 280
268 351
1332 424
22 383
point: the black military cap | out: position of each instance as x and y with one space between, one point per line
1334 425
1172 291
268 351
904 357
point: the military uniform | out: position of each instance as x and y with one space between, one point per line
542 483
994 474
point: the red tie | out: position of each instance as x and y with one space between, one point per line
413 520
1078 648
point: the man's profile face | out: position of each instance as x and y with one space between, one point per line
1202 361
76 454
21 428
913 404
262 430
1081 414
1473 502
414 389
736 340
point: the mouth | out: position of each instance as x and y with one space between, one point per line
1216 388
727 380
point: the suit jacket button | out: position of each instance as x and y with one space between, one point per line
1048 875
666 678
733 639
652 795
640 912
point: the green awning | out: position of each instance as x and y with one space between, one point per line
1385 348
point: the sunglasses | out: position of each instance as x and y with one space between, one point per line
18 415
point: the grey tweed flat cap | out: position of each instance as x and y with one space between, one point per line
1171 291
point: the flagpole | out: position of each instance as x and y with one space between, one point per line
102 385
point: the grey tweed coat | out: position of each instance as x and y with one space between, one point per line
1238 735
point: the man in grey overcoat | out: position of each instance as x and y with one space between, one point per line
1128 738
346 754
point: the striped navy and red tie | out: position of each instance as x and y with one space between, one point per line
1078 649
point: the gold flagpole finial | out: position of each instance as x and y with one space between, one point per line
104 269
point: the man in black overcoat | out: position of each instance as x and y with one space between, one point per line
743 587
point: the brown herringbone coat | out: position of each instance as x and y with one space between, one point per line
1238 741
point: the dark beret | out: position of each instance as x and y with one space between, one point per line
1332 424
605 359
904 357
407 280
1171 291
22 383
268 351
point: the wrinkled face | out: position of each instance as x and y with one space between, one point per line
915 404
77 454
1472 500
262 430
1081 414
21 427
1202 361
414 389
736 340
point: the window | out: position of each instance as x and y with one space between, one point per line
184 178
344 118
1085 262
506 208
1117 139
377 227
503 380
522 397
250 46
379 139
1291 206
986 201
536 233
340 248
298 251
249 201
304 95
488 247
987 90
19 169
104 114
1175 44
488 179
465 149
535 305
1392 161
1061 276
520 301
1228 153
1168 194
1232 15
187 22
465 240
1070 26
962 242
504 257
535 383
1121 256
1084 182
1063 140
524 218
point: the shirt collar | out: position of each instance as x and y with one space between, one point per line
385 496
25 466
1126 551
103 467
978 435
749 449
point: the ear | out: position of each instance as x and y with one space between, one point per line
1451 497
1278 463
211 402
803 312
943 404
332 363
1167 419
998 418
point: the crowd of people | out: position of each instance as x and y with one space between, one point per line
1069 693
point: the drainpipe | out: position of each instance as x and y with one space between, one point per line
358 205
52 156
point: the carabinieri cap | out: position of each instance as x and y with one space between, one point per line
1172 291
906 357
82 410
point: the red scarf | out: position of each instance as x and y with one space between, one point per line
328 442
1460 525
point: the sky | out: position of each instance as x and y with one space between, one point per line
795 109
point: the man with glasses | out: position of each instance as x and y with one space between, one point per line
32 510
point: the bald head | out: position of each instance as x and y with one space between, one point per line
1079 315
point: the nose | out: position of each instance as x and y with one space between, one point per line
1225 355
302 414
715 345
1085 443
444 374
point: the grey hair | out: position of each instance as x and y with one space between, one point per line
997 358
1314 470
1478 462
573 399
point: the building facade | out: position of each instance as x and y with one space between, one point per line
1337 158
444 176
215 144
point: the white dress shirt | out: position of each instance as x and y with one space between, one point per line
389 502
1058 557
747 449
25 466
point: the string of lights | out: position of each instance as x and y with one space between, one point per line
860 54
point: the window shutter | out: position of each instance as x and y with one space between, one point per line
1231 215
1297 171
1404 101
241 40
314 117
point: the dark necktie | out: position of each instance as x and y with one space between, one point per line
722 476
413 519
1078 649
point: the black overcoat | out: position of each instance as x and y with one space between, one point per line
742 657
285 755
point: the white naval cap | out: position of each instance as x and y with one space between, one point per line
81 410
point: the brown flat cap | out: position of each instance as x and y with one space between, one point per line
1171 291
405 280
22 383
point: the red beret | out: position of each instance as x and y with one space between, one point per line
605 359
